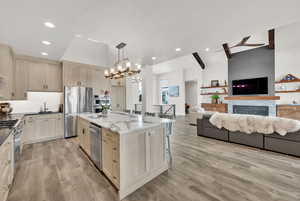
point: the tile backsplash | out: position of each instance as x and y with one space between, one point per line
35 101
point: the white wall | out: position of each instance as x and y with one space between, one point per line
287 54
176 78
83 51
35 101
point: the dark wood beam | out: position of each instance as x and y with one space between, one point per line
199 60
227 50
272 39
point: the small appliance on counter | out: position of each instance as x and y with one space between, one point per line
5 108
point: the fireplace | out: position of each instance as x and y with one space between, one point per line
250 109
256 107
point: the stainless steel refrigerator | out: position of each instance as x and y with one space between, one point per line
76 100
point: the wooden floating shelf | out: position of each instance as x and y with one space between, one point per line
289 91
206 94
223 86
252 98
287 81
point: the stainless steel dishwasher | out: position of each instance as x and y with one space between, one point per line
96 145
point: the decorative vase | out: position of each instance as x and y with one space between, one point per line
214 101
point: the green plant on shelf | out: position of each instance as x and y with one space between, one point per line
215 98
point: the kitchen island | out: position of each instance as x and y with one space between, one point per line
133 148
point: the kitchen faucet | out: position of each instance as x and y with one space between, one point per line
45 107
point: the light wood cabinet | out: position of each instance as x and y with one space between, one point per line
6 72
44 77
53 81
21 79
76 74
84 135
40 128
110 156
6 167
118 98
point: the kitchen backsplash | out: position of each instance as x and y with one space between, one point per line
35 101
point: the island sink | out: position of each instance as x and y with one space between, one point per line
133 149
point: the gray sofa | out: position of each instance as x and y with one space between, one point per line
288 144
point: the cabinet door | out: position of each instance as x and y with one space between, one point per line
42 129
6 72
157 148
100 83
37 76
29 134
118 98
88 81
59 126
53 78
21 79
71 74
107 156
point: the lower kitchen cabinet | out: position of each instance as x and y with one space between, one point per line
110 156
40 128
6 167
84 135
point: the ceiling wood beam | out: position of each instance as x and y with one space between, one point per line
199 60
227 50
272 39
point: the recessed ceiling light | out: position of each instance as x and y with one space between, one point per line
44 53
178 49
46 42
78 35
207 49
153 58
93 40
49 25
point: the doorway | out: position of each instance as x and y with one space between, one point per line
190 94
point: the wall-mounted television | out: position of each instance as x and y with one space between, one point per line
250 86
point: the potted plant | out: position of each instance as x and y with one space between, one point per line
214 99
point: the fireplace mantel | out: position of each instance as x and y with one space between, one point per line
252 98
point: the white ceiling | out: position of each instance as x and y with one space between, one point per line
151 28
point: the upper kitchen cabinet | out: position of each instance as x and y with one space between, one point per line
100 83
21 79
6 72
44 75
76 74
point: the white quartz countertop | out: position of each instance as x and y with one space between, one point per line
124 123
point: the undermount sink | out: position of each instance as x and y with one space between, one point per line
96 116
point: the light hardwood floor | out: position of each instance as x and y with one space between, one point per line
203 170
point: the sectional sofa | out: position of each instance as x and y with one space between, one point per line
288 144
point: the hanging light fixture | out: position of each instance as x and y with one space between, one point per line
122 67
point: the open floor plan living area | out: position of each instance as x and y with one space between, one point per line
149 100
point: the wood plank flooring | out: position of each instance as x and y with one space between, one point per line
203 170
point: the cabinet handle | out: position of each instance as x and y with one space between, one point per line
25 94
114 161
83 131
12 94
114 177
115 148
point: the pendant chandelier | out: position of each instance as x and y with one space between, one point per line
122 67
